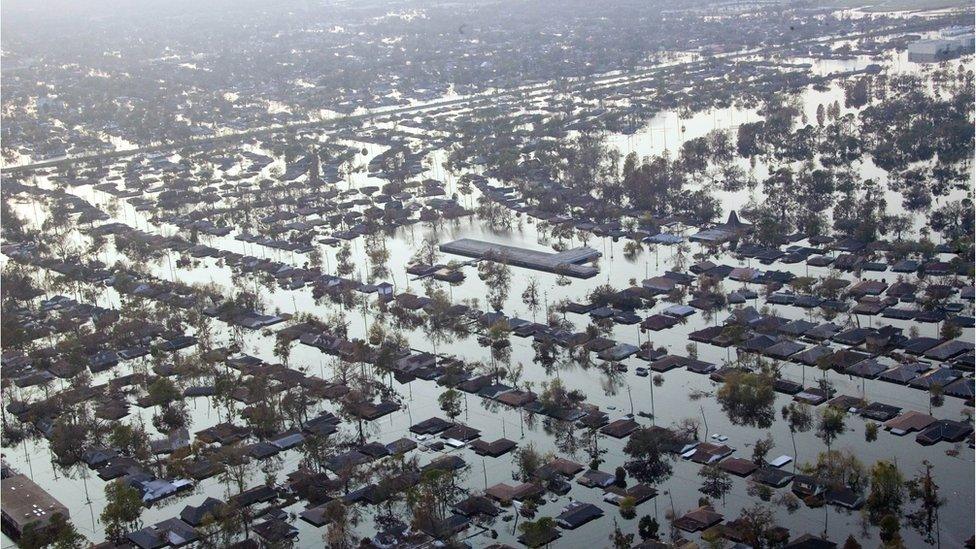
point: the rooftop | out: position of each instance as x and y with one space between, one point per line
24 503
567 262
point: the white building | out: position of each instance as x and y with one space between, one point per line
954 41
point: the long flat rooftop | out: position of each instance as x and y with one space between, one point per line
568 262
24 503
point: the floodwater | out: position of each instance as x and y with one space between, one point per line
619 394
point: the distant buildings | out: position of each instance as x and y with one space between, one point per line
25 503
953 42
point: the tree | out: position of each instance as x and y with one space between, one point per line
799 419
761 491
747 398
378 255
716 483
497 276
761 448
839 469
648 527
500 346
428 252
890 530
555 397
282 349
924 492
648 448
619 538
870 432
58 533
628 507
439 322
131 440
620 477
687 428
294 404
316 453
344 264
954 220
388 476
123 507
545 353
950 330
237 468
316 258
450 403
171 417
757 524
527 461
69 432
936 395
857 93
748 142
887 491
431 500
831 424
163 391
340 533
221 527
361 394
537 533
531 297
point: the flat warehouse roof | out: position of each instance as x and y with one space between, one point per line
567 262
24 502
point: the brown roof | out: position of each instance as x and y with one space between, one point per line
706 452
738 466
528 490
640 492
699 519
620 428
461 432
909 421
566 467
505 493
494 449
501 492
516 398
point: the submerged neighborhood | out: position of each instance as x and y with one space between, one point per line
487 274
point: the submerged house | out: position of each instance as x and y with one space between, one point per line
732 229
24 504
577 514
156 489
